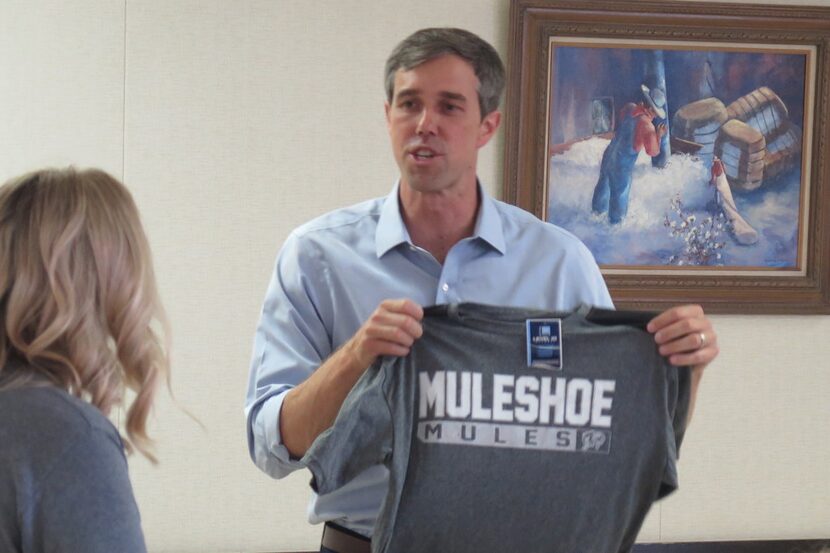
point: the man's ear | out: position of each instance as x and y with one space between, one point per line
386 108
488 127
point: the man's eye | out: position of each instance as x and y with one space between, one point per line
451 107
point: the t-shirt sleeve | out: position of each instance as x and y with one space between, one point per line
85 502
360 437
678 396
681 408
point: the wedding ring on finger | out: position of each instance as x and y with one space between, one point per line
702 340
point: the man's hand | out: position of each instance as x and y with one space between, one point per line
661 130
312 406
390 330
685 336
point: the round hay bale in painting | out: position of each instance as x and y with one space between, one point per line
742 150
783 152
762 110
700 122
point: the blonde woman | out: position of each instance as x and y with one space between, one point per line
80 323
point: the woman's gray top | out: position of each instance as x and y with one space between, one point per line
64 485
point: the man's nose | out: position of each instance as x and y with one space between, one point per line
427 123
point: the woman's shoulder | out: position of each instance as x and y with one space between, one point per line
44 422
67 471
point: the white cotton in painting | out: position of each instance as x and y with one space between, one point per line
673 216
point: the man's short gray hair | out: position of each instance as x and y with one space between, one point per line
428 44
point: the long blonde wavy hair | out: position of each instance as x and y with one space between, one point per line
78 298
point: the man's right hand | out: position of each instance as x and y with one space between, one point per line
311 407
390 330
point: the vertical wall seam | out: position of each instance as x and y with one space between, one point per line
124 102
120 411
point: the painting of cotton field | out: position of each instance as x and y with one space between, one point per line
679 155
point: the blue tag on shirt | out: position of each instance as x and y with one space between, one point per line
544 343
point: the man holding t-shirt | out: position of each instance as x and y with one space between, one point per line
349 286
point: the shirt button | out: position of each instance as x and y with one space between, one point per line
445 287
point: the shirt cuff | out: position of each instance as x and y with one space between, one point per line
270 455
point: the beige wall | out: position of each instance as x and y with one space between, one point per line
232 122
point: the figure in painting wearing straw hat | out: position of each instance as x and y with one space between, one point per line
635 133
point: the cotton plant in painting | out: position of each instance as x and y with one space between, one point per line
702 240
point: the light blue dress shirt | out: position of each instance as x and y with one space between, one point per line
332 273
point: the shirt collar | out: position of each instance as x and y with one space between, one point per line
488 222
391 230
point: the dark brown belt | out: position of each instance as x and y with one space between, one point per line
343 540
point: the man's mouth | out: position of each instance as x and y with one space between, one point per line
423 154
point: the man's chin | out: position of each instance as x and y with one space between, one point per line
423 179
423 183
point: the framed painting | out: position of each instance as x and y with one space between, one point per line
686 144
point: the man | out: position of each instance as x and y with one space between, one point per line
635 133
348 287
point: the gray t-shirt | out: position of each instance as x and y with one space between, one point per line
489 454
64 486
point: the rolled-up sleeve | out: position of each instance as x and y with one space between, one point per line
291 341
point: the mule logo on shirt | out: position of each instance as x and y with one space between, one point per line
592 440
526 412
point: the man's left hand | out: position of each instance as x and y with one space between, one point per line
685 336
